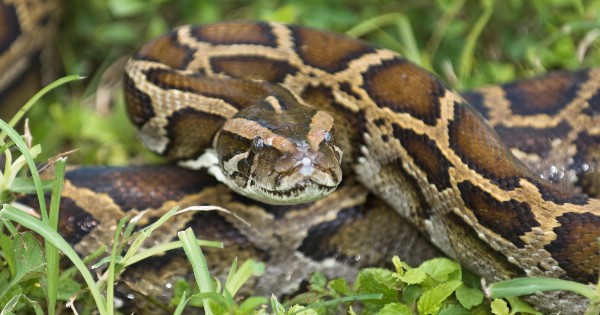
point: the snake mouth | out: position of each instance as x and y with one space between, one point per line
298 194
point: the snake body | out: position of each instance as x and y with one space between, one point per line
412 142
484 197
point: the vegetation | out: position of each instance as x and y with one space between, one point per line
467 43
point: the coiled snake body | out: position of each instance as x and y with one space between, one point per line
404 136
399 132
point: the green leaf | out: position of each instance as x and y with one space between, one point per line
276 307
519 306
499 307
318 281
454 310
252 303
414 276
340 286
67 288
431 300
376 280
442 269
412 293
395 309
469 297
6 245
29 258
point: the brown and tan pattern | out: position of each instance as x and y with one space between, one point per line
405 137
504 196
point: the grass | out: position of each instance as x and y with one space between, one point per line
467 43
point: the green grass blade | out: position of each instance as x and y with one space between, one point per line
52 268
161 248
199 266
523 286
110 281
16 138
11 213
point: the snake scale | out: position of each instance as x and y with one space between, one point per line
505 203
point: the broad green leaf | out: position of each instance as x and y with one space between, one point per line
469 297
28 256
318 281
431 300
499 307
395 309
414 276
454 310
412 293
252 303
375 280
519 306
340 286
442 269
67 287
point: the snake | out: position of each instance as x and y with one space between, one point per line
318 131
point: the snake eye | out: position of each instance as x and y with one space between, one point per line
258 143
327 136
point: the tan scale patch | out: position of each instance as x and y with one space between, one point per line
319 124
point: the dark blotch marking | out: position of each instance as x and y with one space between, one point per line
482 150
346 87
232 144
191 132
426 155
594 105
510 219
575 247
139 104
532 140
10 29
547 94
141 187
586 163
74 222
379 122
238 93
318 243
328 51
253 68
405 88
233 33
559 197
167 50
476 99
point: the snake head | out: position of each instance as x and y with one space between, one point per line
280 152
